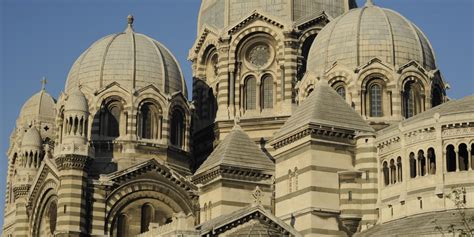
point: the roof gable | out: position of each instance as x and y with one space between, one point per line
250 220
254 16
237 150
324 107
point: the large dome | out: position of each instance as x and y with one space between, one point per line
131 59
214 13
362 34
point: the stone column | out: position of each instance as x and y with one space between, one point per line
456 151
469 159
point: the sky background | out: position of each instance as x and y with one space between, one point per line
44 38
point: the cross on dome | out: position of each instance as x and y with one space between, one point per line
369 3
43 83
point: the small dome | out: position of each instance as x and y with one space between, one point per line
40 106
213 12
76 101
31 138
131 59
362 34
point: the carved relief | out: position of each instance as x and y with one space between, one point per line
458 131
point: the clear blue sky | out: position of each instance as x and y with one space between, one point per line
44 38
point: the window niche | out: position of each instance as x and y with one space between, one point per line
178 130
413 98
110 118
150 121
374 97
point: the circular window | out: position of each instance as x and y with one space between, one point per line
259 55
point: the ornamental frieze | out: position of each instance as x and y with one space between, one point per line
452 132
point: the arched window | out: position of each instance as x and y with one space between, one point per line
212 105
267 92
399 168
393 169
148 216
450 159
422 162
386 174
149 121
250 93
110 119
375 100
436 97
463 157
304 53
122 226
431 161
177 128
52 216
412 101
341 90
412 165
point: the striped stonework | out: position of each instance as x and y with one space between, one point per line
22 227
366 162
72 196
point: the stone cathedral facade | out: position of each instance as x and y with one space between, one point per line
307 118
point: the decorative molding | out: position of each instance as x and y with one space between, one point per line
76 162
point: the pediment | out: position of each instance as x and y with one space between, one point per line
248 220
374 62
412 65
313 20
153 167
206 30
113 85
254 16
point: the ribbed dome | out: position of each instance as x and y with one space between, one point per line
213 12
31 138
40 105
131 59
368 32
76 101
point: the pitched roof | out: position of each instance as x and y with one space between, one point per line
237 150
464 105
423 224
239 217
324 107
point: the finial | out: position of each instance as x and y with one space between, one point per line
43 83
130 20
369 3
236 121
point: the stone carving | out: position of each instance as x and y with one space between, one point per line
458 131
259 55
257 196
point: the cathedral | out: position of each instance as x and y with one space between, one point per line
307 118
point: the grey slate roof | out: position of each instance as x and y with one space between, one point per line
418 225
324 107
464 105
237 150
